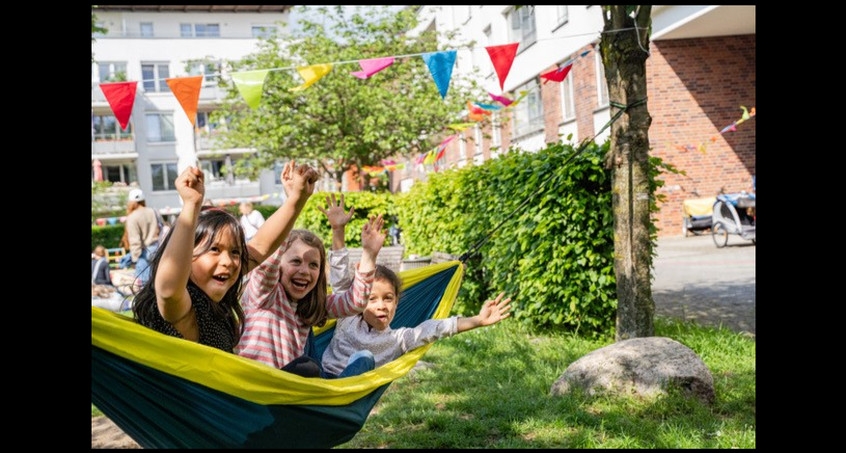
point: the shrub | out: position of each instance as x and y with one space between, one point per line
555 256
108 235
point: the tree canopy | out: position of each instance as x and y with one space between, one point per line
341 120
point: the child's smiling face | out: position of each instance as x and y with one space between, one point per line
216 270
300 269
382 305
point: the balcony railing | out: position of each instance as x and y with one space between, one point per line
122 146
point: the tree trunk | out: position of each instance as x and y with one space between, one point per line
624 58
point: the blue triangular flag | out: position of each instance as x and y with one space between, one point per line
440 65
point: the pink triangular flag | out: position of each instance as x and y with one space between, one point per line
372 66
502 57
502 99
557 75
121 97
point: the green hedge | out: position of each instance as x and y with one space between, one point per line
108 236
555 256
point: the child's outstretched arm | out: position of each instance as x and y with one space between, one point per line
338 220
171 279
492 312
372 239
299 184
338 256
354 300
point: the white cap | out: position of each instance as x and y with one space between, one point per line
136 195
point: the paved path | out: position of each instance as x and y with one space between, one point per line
694 280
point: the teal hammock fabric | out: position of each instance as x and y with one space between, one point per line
164 410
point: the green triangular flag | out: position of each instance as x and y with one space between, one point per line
249 84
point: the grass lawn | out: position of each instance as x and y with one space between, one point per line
489 388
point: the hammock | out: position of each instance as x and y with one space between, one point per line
166 392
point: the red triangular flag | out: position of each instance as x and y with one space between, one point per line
557 75
187 92
121 96
502 57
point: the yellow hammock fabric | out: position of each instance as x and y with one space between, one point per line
254 381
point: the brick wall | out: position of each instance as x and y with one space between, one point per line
696 87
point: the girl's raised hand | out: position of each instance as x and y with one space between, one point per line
372 236
494 311
298 180
190 185
335 212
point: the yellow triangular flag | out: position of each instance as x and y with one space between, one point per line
312 74
249 84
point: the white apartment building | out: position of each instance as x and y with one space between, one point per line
148 44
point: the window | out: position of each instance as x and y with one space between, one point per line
106 127
124 173
160 127
563 14
205 122
528 115
522 28
146 29
264 31
185 30
112 71
152 72
486 62
164 176
210 70
213 169
601 84
568 108
207 30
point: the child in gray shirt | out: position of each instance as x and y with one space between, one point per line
366 341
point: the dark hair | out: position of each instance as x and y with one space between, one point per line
312 308
384 273
209 224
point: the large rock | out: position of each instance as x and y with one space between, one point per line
645 366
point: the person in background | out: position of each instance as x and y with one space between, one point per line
251 219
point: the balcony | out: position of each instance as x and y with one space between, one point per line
113 148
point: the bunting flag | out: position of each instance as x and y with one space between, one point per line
730 128
372 66
473 109
476 116
441 153
312 74
395 167
187 92
557 75
249 84
388 162
486 106
501 99
502 57
430 157
460 126
121 97
447 140
440 66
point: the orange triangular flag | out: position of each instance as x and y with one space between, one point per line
187 92
502 57
121 97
